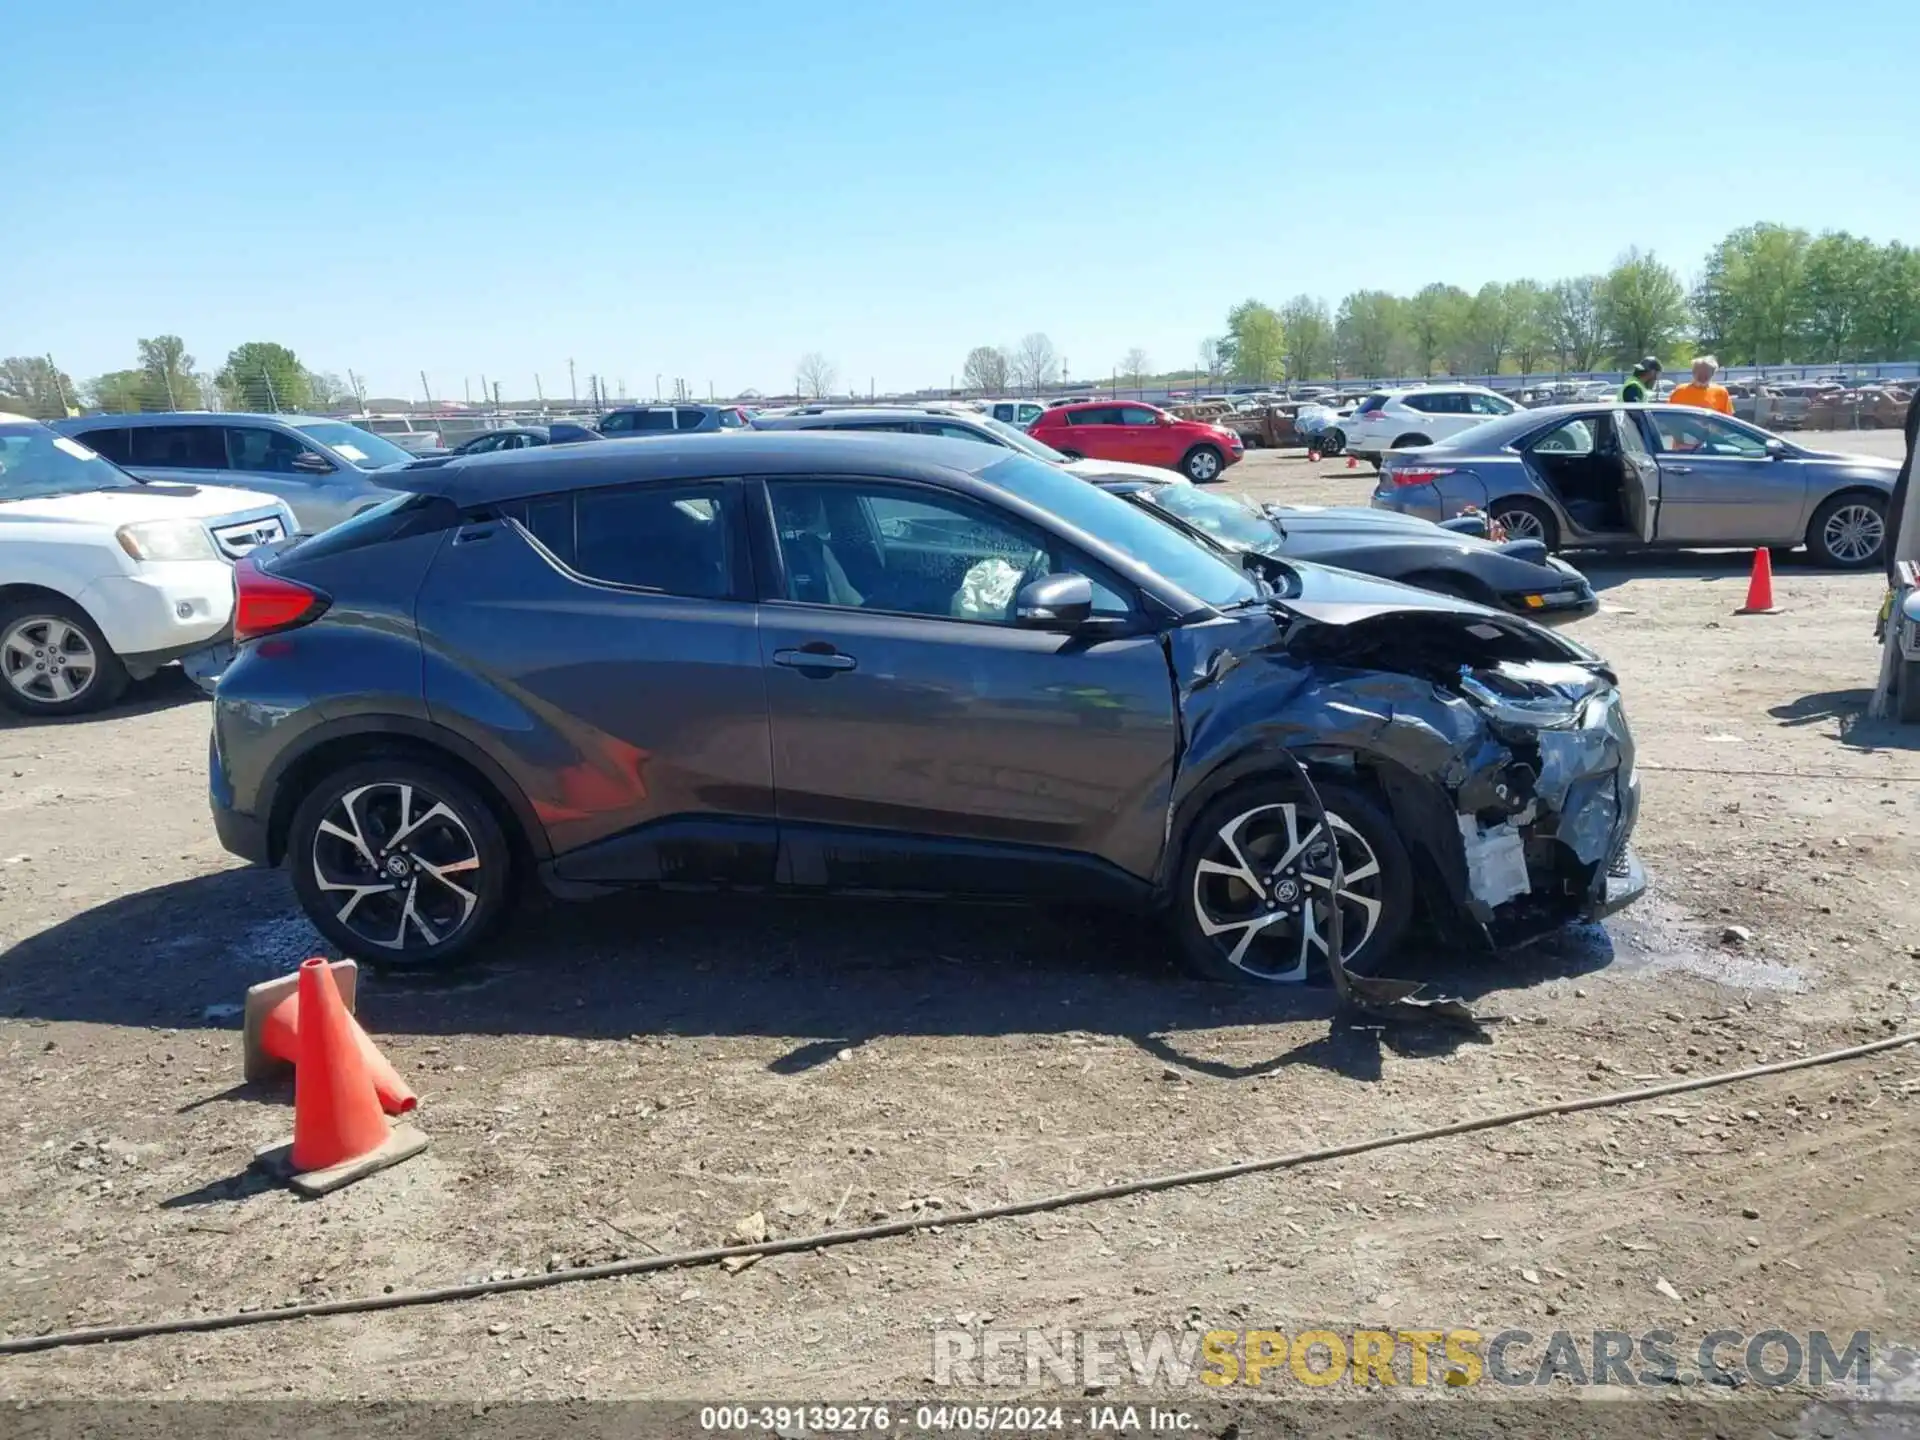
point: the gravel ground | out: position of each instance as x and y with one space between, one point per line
643 1074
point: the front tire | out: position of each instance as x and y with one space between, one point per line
54 660
1849 532
1203 464
399 863
1250 903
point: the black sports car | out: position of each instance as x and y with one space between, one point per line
1517 575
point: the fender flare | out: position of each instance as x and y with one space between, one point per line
425 732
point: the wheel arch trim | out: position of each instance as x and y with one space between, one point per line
280 803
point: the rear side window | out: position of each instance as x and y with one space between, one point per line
650 420
691 419
1094 415
671 538
1370 404
955 432
179 447
393 519
114 444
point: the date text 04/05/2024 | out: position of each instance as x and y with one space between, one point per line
942 1419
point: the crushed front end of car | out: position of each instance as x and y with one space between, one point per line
1501 749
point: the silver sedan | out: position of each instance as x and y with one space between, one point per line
1609 476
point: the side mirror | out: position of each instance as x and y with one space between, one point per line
309 463
1776 448
1055 602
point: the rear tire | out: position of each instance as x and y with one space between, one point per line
1525 520
1073 454
1203 464
1849 532
1409 442
399 863
54 660
1333 442
1242 893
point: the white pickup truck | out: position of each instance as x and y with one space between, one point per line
105 578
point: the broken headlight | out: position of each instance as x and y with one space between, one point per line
1537 694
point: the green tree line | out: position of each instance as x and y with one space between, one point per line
259 375
1766 295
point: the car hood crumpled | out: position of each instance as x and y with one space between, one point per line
1485 731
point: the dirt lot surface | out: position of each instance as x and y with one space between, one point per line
642 1074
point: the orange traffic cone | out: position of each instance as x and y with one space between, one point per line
339 1132
1353 462
279 1037
1313 457
1760 587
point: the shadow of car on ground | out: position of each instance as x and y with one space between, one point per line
829 973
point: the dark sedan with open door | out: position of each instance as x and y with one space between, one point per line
1612 476
1517 575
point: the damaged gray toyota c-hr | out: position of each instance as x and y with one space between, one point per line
898 666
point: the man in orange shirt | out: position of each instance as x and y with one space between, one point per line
1703 392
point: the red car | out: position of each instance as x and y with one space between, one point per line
1129 430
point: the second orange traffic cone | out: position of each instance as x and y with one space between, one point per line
339 1132
1760 586
1353 462
280 1038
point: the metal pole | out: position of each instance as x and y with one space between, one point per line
424 390
573 384
58 389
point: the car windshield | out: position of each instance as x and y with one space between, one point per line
1161 548
1495 434
1022 441
350 442
1232 522
36 463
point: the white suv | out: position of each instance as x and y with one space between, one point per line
1399 419
104 578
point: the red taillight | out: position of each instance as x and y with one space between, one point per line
1418 475
264 603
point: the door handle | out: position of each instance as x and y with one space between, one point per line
814 660
1679 469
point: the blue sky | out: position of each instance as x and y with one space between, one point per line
480 188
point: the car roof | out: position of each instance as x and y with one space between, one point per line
513 474
192 417
824 419
7 417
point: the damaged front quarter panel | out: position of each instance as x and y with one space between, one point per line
1500 748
